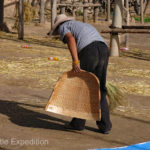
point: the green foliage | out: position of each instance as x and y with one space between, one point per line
145 19
79 13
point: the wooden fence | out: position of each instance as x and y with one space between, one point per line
116 23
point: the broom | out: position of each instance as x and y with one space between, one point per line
115 96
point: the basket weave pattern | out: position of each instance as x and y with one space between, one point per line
76 95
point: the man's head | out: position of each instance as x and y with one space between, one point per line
59 20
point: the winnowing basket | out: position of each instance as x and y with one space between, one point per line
76 95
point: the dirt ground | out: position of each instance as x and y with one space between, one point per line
25 90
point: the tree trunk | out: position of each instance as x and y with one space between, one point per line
3 26
116 23
1 11
42 9
118 12
53 11
108 10
21 20
142 15
127 23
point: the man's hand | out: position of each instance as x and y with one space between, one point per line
76 67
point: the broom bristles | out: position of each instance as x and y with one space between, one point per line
115 96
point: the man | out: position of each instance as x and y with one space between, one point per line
89 52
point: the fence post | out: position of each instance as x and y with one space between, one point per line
127 22
117 23
127 8
21 20
62 8
96 11
108 10
117 16
74 12
142 15
53 11
2 12
42 7
85 11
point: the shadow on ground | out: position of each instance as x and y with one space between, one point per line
28 40
20 115
28 118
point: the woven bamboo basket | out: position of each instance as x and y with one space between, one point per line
76 95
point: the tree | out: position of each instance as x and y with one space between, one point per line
3 26
53 11
21 20
1 11
42 8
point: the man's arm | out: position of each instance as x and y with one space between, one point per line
73 50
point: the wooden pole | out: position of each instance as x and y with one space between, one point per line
127 23
96 11
80 5
74 10
42 8
2 12
128 15
108 10
62 8
53 11
21 20
116 31
85 12
142 15
117 15
114 49
117 23
135 27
